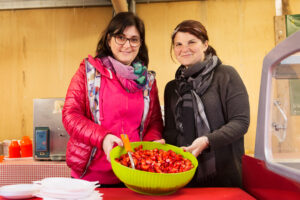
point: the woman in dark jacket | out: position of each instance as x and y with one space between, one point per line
206 109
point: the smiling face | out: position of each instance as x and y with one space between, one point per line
125 53
189 49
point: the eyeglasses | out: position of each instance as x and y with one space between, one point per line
121 40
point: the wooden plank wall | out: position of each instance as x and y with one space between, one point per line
40 49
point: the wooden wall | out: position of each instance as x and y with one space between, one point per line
40 49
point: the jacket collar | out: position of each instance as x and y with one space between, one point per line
97 63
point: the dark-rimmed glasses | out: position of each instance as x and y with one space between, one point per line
122 39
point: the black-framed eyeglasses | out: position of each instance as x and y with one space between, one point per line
122 39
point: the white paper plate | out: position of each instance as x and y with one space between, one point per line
93 196
65 194
66 184
19 191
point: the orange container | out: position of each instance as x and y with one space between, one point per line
26 147
14 149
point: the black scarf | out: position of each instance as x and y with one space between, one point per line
190 117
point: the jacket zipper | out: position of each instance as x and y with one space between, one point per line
94 150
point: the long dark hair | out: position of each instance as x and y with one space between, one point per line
116 26
195 28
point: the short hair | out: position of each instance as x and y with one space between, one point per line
195 28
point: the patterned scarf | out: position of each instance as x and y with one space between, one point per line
132 78
190 115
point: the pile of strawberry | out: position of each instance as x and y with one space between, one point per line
156 160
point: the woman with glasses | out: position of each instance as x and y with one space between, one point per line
206 109
111 94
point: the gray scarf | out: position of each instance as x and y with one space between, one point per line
190 115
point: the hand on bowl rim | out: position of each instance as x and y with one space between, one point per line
109 142
161 141
197 146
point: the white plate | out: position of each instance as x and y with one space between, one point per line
65 194
95 195
67 184
19 191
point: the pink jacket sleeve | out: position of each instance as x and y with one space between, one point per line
76 115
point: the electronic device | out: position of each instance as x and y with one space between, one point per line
41 138
49 134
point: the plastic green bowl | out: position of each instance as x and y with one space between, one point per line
148 182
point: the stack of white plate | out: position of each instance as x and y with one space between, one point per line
67 188
18 191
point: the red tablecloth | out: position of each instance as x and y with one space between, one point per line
182 194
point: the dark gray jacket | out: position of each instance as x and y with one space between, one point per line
227 109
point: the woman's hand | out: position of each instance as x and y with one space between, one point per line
197 146
161 141
109 142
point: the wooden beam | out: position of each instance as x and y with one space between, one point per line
286 10
120 5
280 28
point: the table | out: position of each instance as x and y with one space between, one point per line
182 194
23 171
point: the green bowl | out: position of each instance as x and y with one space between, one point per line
148 182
